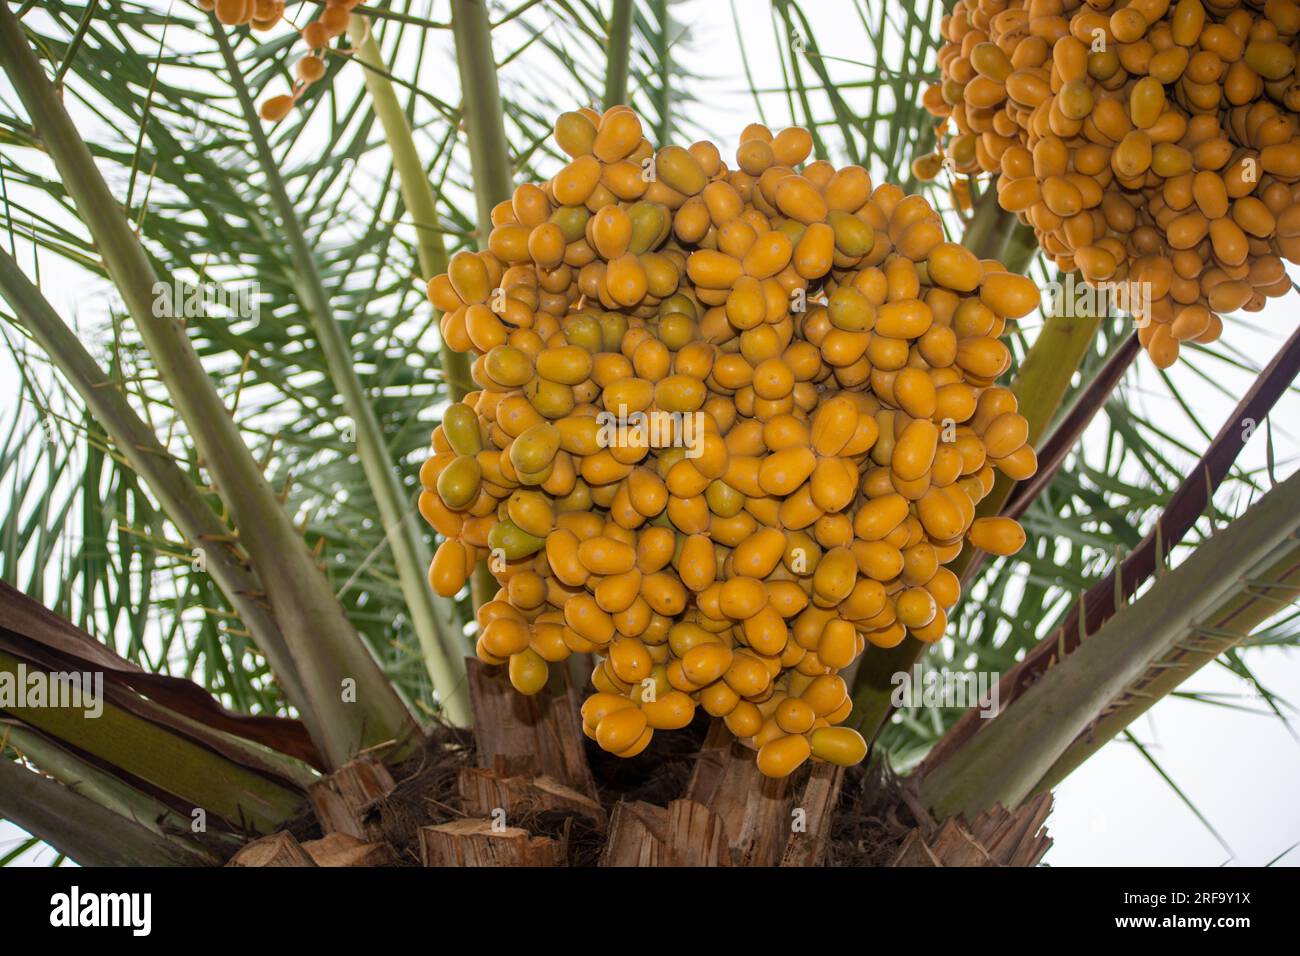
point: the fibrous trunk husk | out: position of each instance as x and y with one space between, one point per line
522 793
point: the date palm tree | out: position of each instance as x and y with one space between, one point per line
217 503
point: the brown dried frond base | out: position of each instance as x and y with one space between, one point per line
527 787
877 821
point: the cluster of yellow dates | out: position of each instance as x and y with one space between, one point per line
258 14
330 23
732 423
1150 144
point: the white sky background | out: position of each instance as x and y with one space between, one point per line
1242 770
